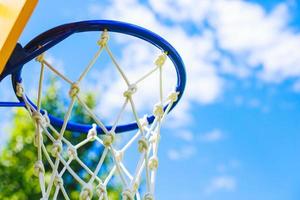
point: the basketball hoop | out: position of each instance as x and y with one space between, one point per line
63 152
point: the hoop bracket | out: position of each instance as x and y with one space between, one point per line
12 65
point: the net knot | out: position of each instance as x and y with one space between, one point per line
143 145
19 90
92 134
173 97
58 181
74 90
101 189
104 38
158 111
40 58
36 116
148 196
39 168
160 61
136 184
46 120
72 152
130 91
56 148
153 163
128 195
108 139
86 193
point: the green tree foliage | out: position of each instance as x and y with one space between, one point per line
19 155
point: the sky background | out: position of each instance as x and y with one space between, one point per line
235 134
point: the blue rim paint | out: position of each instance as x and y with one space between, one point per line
53 36
12 104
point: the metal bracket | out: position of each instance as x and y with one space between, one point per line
11 66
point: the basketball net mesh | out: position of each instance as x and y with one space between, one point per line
63 152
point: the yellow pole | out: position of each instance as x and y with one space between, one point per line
14 15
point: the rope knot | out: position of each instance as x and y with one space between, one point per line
173 97
127 195
160 61
46 120
158 111
19 90
72 152
104 38
86 193
36 116
136 184
143 145
101 189
58 181
148 196
92 134
153 163
56 148
74 90
40 58
39 168
108 139
130 91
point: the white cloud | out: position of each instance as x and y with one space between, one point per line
127 10
258 38
183 153
281 60
181 10
221 183
246 30
212 136
243 26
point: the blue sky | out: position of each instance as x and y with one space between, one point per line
237 133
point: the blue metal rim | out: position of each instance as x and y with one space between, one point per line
50 38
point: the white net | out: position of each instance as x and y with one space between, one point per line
63 152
